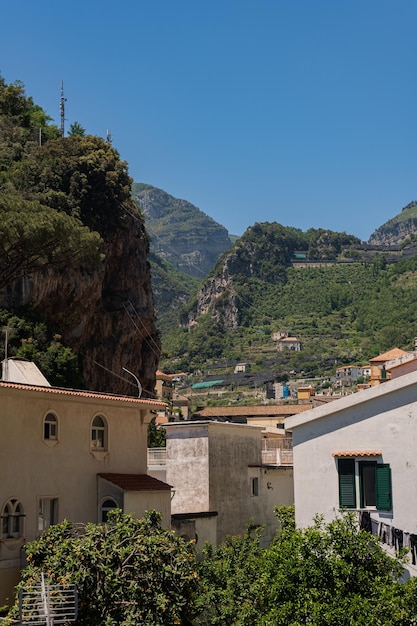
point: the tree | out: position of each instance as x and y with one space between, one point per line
127 571
328 575
76 129
34 237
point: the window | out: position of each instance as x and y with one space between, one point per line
12 520
254 486
99 433
368 479
47 513
107 506
50 427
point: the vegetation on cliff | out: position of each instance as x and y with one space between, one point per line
70 228
342 312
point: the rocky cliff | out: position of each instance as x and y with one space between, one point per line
180 233
105 315
397 229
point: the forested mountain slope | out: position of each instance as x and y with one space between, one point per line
343 310
74 275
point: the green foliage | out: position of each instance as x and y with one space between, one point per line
34 237
127 571
30 338
157 436
328 575
76 129
81 176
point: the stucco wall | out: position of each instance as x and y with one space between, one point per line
66 469
379 419
187 468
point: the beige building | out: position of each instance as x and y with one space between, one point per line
220 482
68 454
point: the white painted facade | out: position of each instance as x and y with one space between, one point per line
378 424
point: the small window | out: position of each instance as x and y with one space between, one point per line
107 506
50 427
12 520
374 481
47 513
254 486
99 433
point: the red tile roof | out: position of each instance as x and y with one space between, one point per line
136 482
358 453
388 356
271 410
82 394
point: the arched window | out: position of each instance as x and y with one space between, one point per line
50 427
107 506
99 433
12 520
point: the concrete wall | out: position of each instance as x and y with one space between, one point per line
187 467
211 466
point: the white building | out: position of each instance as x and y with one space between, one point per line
359 453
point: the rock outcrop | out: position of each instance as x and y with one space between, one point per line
106 315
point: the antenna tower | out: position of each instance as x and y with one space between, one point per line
62 109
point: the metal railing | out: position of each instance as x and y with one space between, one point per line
157 456
46 604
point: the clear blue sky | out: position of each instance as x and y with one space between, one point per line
296 111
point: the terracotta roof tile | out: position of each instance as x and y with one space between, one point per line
253 411
388 356
358 453
136 482
82 394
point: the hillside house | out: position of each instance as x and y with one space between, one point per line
240 367
289 343
68 455
347 375
377 364
358 453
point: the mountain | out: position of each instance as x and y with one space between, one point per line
180 233
344 300
398 228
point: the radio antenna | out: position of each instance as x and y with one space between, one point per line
62 109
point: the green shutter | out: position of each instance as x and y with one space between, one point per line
347 487
383 487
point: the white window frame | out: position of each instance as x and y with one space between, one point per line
48 511
99 433
50 427
12 517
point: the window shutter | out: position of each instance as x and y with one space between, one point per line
383 487
347 487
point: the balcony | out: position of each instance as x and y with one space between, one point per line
277 451
157 457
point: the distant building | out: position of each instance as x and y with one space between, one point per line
379 374
240 367
289 343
